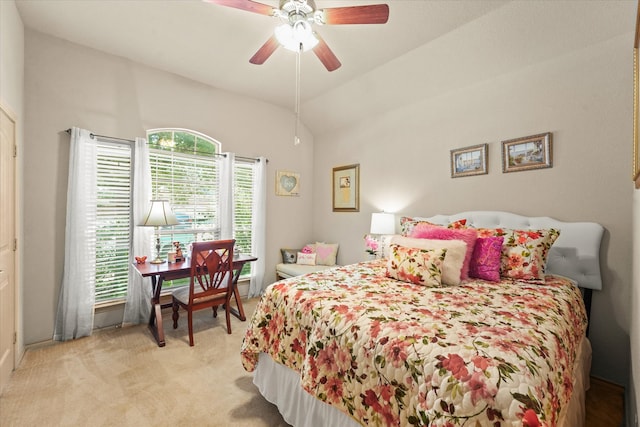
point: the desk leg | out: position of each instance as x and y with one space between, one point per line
155 318
239 313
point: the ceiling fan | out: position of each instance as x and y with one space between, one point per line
297 16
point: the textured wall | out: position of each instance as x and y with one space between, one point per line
583 97
69 85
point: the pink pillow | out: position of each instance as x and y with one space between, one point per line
467 235
485 262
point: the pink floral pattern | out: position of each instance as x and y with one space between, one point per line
407 224
391 353
524 252
417 266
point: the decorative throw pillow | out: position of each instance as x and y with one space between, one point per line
486 259
456 250
326 253
309 249
417 266
407 224
306 259
289 256
425 230
524 252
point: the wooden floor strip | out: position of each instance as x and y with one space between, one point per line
605 404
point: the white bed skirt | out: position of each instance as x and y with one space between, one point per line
281 386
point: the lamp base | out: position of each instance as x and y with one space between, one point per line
158 261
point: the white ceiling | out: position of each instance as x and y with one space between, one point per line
212 44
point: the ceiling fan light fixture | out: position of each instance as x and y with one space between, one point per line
291 36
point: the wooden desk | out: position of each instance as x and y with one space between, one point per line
180 270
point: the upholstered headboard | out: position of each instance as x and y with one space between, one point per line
575 254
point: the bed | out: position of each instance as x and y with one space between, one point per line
351 346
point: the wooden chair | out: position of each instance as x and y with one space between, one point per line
210 284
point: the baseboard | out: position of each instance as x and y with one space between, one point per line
608 385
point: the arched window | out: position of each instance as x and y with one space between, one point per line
185 169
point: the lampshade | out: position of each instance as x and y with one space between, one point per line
290 36
383 223
160 213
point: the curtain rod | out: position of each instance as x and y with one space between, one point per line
130 140
93 135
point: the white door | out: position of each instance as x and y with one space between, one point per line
7 247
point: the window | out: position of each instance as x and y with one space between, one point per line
185 169
113 220
243 194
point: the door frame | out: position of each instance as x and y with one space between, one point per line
18 344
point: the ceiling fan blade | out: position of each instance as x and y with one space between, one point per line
248 5
265 51
371 14
325 55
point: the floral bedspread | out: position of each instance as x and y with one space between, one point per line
391 353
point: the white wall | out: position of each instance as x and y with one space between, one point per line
583 97
634 381
12 100
69 85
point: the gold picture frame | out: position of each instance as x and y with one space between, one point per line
469 161
528 152
287 183
346 188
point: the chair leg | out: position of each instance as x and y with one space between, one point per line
215 310
190 319
175 315
227 309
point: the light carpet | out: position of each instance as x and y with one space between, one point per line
120 377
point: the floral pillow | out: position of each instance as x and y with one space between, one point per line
486 259
456 250
524 252
426 230
417 266
309 249
407 224
326 253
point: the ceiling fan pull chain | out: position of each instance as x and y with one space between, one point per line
296 139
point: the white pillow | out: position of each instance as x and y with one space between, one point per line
306 259
453 260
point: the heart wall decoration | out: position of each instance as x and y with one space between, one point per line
287 183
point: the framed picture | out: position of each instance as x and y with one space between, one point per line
346 193
287 183
469 161
529 152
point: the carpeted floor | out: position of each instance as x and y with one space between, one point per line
120 377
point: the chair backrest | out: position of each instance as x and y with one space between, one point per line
211 269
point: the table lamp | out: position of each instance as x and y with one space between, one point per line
382 224
160 214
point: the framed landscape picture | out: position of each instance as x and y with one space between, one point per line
346 194
469 161
529 152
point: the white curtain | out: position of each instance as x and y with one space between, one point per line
226 195
138 304
74 318
259 231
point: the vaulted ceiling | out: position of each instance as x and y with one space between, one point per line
426 47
